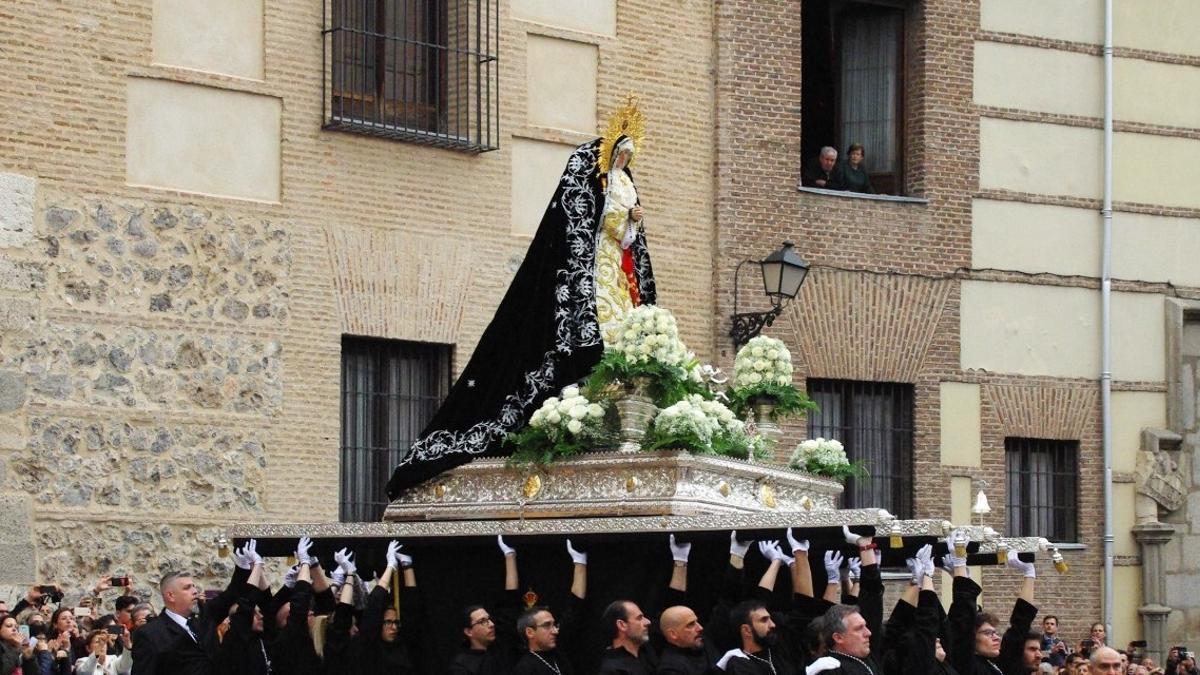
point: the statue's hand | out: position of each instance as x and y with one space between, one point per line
636 213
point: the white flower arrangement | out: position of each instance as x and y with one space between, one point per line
762 370
824 457
762 361
705 426
563 426
650 333
571 414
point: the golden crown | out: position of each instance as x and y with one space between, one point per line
627 120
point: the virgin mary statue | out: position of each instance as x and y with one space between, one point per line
585 268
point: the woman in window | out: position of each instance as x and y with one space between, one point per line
850 175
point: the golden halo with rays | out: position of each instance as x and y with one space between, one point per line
626 120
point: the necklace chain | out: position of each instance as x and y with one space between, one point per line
855 658
552 666
769 661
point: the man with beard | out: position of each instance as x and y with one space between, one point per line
756 631
540 631
630 633
484 654
686 651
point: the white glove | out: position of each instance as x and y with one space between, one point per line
855 565
797 544
577 557
345 562
1021 566
915 571
833 567
738 548
252 551
241 559
852 538
954 560
822 664
289 578
337 578
731 654
504 548
393 554
925 558
786 559
770 550
680 552
302 548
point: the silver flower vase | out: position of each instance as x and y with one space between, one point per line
764 409
635 412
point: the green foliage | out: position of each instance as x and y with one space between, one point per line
737 446
533 445
668 384
789 400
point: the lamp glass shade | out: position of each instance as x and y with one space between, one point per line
783 272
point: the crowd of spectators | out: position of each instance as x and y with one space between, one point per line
318 623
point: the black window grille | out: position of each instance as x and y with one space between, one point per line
418 70
873 421
390 391
1042 483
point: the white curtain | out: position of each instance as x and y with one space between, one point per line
870 61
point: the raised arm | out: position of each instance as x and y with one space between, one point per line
801 570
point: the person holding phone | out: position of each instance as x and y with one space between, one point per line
15 653
99 661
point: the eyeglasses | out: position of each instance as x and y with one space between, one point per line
391 622
547 625
485 621
990 632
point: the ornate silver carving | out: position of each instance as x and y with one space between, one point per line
600 484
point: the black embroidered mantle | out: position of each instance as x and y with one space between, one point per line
544 334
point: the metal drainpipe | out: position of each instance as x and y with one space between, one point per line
1106 318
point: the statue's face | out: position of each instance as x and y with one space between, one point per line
622 160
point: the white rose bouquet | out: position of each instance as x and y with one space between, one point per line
562 427
763 369
825 457
647 345
703 426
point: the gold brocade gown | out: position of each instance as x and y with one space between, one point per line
613 297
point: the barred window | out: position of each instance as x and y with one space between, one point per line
1042 480
390 391
417 70
873 420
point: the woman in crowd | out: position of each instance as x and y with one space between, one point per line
99 661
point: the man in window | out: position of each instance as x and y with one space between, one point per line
819 172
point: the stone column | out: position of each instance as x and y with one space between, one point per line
1154 609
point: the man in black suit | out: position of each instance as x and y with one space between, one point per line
173 643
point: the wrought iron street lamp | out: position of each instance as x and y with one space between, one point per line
783 272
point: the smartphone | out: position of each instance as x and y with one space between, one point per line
1088 643
211 594
116 629
24 631
83 611
47 590
120 581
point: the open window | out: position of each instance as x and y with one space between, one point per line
853 63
